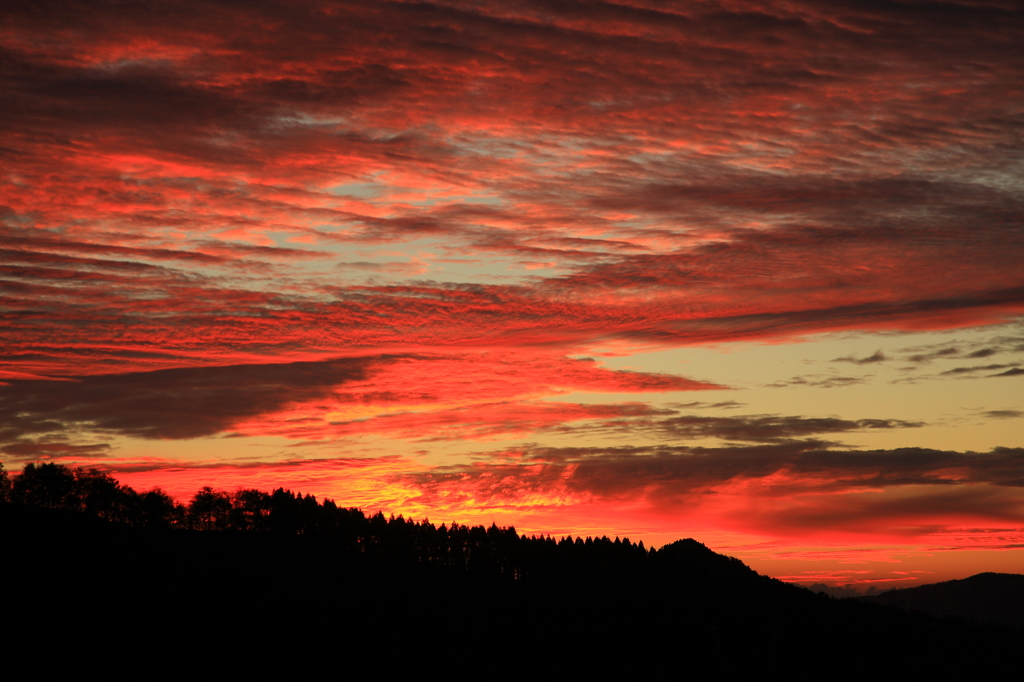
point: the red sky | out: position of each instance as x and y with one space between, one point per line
742 271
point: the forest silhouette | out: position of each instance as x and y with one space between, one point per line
253 570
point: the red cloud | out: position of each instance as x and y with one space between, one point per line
692 175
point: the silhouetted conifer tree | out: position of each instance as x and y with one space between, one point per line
5 485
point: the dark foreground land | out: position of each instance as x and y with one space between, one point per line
597 606
250 578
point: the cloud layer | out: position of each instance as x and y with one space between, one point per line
192 181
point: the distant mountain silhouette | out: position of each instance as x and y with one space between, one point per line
844 591
985 597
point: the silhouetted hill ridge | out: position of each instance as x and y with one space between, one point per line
985 597
251 573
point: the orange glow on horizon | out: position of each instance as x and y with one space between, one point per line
539 501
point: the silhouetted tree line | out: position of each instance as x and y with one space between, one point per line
493 550
54 486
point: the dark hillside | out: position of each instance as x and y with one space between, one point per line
256 576
116 586
986 598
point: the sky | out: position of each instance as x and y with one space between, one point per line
743 271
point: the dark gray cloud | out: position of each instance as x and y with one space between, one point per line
699 405
995 344
974 370
674 472
755 428
31 449
1003 414
877 356
936 354
818 381
169 403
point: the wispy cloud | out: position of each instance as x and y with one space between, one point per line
877 356
974 370
1003 414
818 381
